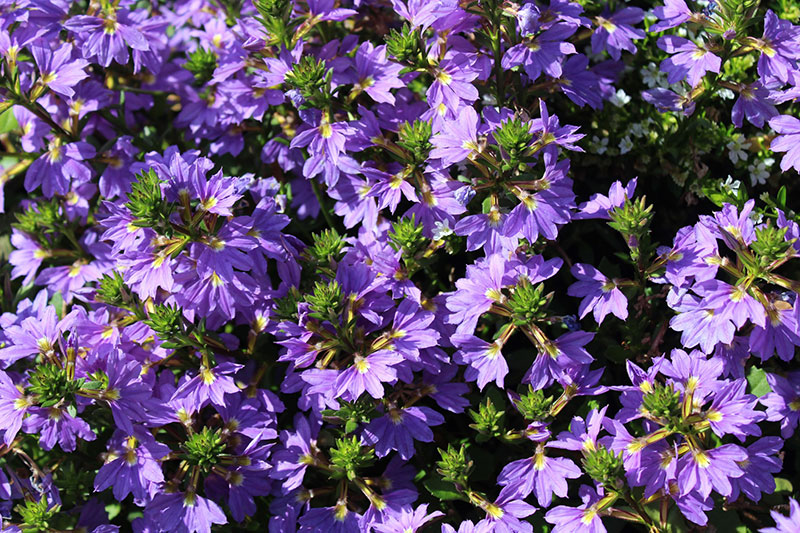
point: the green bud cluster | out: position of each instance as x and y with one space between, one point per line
40 219
166 321
202 63
534 405
325 300
286 307
514 137
415 138
455 466
205 449
275 16
348 456
604 466
406 236
311 77
147 203
112 290
51 386
404 45
527 302
325 251
663 402
771 244
735 14
488 421
37 516
351 414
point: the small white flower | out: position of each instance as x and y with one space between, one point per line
653 77
620 98
731 185
599 145
441 229
726 94
625 145
638 130
736 149
758 173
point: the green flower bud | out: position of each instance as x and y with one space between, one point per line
348 456
205 449
604 466
488 421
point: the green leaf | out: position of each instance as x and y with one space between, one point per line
113 509
783 485
757 379
442 489
57 301
8 122
781 198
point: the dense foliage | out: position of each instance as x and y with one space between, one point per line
399 265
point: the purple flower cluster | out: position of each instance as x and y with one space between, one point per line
321 265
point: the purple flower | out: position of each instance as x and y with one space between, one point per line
486 231
600 205
557 357
710 469
107 37
398 428
783 403
217 195
540 474
336 519
600 294
503 516
184 511
732 411
778 47
476 293
582 436
297 452
367 374
452 85
778 334
377 76
544 209
57 70
731 302
408 520
666 100
132 465
485 359
689 60
209 385
583 519
696 374
788 140
57 426
580 84
672 13
762 462
37 335
785 524
616 32
542 53
14 406
59 167
458 139
754 102
702 326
